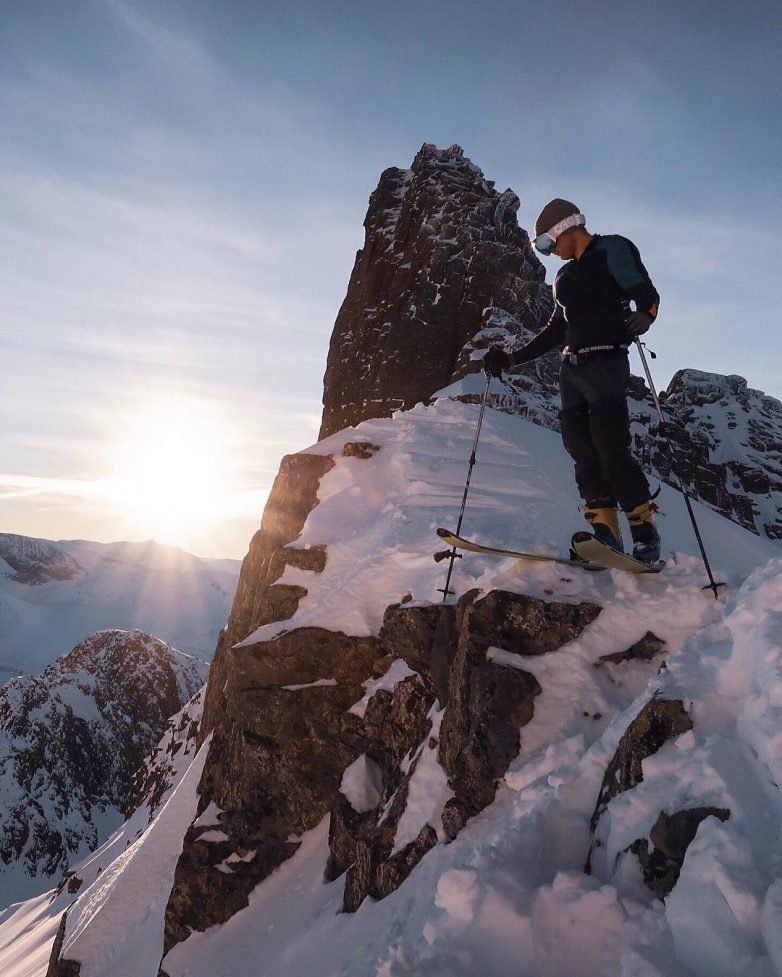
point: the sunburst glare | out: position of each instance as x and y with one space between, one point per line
171 470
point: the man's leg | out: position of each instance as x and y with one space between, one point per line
600 509
610 429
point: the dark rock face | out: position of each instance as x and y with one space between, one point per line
259 598
670 838
396 726
441 246
275 759
35 561
646 649
58 967
273 769
659 721
727 441
487 704
163 767
72 738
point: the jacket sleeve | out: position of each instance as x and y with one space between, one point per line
548 338
627 270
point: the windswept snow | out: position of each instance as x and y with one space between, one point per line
378 518
509 897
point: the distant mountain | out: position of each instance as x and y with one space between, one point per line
72 739
53 595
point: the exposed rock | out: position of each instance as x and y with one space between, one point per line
36 561
490 702
521 624
727 442
659 721
273 769
425 637
394 732
645 649
164 766
441 245
670 838
71 740
58 967
359 449
259 598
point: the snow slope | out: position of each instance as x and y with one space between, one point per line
28 929
88 587
510 896
71 740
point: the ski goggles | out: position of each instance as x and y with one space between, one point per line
545 243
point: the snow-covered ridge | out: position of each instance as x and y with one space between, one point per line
734 433
71 740
27 930
510 894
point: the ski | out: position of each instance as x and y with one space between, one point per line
590 548
459 543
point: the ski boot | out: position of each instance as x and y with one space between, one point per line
646 539
604 523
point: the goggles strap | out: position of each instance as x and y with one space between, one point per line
575 220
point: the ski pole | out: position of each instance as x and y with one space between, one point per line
664 431
453 555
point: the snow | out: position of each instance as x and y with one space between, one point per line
129 898
213 836
362 784
146 586
509 895
318 683
378 518
427 791
398 671
27 929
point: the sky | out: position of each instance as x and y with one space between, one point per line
183 185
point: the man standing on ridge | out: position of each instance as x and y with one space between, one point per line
593 324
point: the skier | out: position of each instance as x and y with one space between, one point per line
594 325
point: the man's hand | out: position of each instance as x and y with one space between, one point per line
496 361
638 323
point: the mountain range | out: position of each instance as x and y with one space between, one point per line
55 594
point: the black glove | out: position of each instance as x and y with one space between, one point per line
638 323
496 361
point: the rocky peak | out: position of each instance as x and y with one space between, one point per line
727 440
71 740
441 246
36 561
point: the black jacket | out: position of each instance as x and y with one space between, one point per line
589 294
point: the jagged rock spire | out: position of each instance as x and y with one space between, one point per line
441 246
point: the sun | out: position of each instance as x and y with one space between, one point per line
170 469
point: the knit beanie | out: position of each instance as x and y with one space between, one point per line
554 212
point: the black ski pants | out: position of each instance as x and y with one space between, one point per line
596 432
